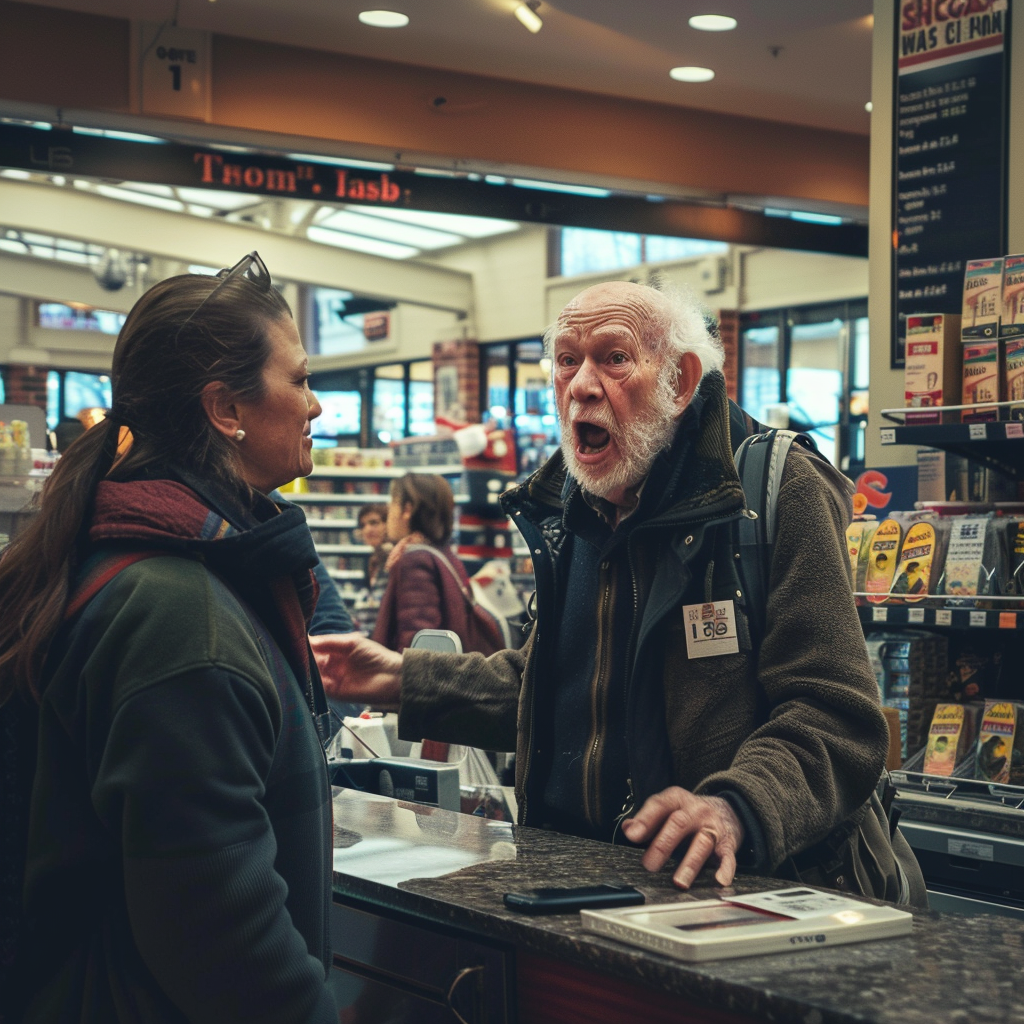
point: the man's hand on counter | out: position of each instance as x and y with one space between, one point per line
675 815
357 669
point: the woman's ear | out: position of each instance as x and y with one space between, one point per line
407 511
689 378
220 408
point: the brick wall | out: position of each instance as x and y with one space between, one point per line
25 385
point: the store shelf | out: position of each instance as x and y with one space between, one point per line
319 523
955 618
997 443
345 574
344 549
382 473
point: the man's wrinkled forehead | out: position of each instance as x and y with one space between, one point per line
600 310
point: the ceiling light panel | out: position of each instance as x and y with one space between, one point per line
391 231
712 22
457 223
692 74
215 199
527 15
127 195
358 243
384 19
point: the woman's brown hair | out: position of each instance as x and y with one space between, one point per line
433 505
171 346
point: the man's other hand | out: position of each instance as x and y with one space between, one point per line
358 670
675 815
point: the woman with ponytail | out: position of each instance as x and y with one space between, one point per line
174 850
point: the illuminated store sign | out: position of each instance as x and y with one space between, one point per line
72 153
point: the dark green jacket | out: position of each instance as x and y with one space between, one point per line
180 849
796 730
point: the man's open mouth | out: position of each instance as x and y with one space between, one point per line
590 438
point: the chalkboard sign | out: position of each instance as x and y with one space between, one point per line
949 151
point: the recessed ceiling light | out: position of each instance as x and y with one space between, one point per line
869 106
384 19
712 22
690 74
528 17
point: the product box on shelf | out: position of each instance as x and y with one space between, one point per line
932 374
981 376
1011 324
983 298
1001 743
1013 372
951 737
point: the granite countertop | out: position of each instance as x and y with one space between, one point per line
453 869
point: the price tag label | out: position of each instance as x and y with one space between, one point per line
1007 620
978 618
710 629
977 432
1014 430
915 615
888 435
943 617
880 615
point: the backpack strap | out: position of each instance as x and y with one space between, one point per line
760 461
98 573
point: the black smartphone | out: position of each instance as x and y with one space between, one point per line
568 901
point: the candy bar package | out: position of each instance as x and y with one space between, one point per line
1012 321
981 380
883 557
921 557
932 372
858 541
951 737
1011 536
1001 743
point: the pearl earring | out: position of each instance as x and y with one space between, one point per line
239 434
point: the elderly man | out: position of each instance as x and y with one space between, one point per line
620 723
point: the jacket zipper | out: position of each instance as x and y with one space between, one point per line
598 701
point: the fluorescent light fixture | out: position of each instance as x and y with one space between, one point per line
457 223
217 200
339 161
392 231
816 218
384 19
554 186
802 215
127 195
527 15
374 246
691 74
17 175
712 22
111 134
495 179
869 106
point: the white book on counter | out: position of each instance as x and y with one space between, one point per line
766 922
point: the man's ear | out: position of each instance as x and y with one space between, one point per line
689 378
220 408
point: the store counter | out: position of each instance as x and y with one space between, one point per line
420 934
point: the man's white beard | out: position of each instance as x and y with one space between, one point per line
638 446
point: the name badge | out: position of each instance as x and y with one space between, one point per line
710 629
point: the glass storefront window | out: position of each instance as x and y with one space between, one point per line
536 419
760 362
340 417
421 399
388 403
497 386
814 381
57 316
85 391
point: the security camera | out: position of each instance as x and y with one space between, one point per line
113 270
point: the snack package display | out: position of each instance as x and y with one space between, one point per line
983 298
883 556
858 540
951 737
1001 743
1013 370
1011 532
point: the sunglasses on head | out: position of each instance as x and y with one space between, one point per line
249 268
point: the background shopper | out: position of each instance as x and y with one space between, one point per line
153 622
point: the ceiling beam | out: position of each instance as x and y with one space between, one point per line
54 281
69 213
